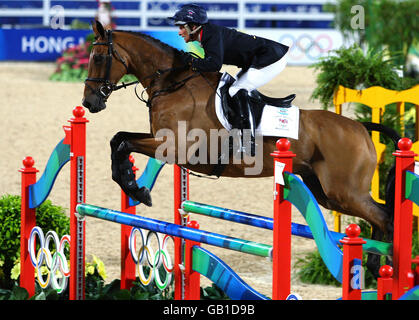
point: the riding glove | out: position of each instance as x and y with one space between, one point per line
186 58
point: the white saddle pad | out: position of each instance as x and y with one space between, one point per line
276 121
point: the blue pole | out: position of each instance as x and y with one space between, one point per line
267 223
175 230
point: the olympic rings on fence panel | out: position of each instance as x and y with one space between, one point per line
307 45
146 281
167 266
162 285
146 256
131 244
153 263
55 264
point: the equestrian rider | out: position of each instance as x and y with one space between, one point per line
260 59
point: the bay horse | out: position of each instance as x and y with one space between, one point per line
335 155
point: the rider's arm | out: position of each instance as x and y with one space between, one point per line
214 53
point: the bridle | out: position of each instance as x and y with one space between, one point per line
107 87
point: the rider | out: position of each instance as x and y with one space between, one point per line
260 59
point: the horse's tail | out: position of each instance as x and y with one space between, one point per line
389 132
390 183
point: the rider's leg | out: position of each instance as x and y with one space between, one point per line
241 99
255 78
246 82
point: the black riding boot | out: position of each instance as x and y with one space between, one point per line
247 121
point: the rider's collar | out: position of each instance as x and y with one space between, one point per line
200 36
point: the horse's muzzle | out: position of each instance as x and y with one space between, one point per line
94 103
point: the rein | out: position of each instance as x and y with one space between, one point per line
107 87
173 87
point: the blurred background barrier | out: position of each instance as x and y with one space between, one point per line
40 30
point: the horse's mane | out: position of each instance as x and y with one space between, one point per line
161 44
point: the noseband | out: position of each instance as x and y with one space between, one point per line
105 90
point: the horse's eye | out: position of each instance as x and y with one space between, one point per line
98 59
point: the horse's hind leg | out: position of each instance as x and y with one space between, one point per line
381 224
359 203
346 188
363 206
122 173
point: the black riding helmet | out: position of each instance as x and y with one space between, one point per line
190 13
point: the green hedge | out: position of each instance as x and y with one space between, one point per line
48 217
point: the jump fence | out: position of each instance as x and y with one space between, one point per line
190 259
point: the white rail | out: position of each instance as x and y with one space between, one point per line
243 11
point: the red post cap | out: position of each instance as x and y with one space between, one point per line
386 271
78 115
352 235
28 162
405 144
283 144
78 112
353 230
404 149
282 150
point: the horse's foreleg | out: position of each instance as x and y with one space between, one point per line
122 145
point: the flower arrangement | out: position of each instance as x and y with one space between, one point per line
72 65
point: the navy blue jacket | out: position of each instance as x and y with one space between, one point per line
228 46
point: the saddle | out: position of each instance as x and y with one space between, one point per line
258 102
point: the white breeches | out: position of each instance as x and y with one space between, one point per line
255 78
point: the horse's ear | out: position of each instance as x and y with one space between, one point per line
98 29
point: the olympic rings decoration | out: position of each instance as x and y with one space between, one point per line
55 264
305 45
154 260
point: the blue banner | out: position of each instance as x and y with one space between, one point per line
48 44
306 45
37 44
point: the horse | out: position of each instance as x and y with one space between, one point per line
335 155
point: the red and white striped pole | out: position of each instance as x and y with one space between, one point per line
192 278
181 193
352 263
127 263
281 254
403 219
77 196
28 222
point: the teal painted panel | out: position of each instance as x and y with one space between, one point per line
212 267
40 190
301 197
412 187
412 294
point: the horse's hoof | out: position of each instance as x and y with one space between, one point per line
143 195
